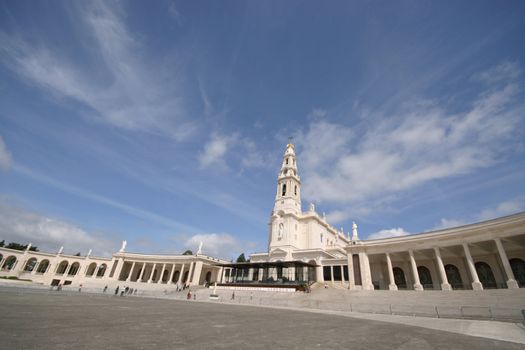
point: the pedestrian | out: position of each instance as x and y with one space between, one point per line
59 288
116 290
135 291
188 296
80 288
105 289
194 296
233 295
126 289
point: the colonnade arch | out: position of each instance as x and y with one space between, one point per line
43 266
399 277
91 269
62 267
102 270
425 278
9 262
485 275
30 265
453 276
518 268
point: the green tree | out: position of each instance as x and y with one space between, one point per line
2 243
18 246
187 252
241 258
77 254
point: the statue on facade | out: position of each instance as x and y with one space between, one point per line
124 244
28 247
61 250
355 237
89 253
312 207
199 251
280 232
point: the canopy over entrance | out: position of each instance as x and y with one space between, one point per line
286 274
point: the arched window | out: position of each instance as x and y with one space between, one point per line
295 191
102 270
42 267
30 265
9 263
91 269
208 277
424 277
185 278
485 275
176 276
286 161
453 276
399 278
165 276
74 269
62 267
518 269
284 190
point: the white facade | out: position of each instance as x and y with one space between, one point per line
488 254
477 256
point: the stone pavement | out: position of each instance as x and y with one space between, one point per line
33 319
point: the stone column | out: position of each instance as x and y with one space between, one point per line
219 275
444 280
120 265
173 268
190 272
130 272
511 281
342 274
179 281
319 273
351 279
152 272
392 282
142 273
332 273
366 276
417 283
476 284
161 274
197 269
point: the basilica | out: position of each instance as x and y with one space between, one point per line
305 250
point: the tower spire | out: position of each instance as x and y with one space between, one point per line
288 197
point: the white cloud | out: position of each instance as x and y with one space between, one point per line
48 234
119 88
5 156
502 72
420 144
215 244
502 209
215 150
393 232
448 223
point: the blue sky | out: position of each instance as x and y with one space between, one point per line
164 123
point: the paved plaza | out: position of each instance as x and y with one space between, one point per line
33 319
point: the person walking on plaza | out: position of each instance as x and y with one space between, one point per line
116 290
105 289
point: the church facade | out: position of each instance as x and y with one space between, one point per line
303 248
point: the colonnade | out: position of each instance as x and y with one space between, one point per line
445 285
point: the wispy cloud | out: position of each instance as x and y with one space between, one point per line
215 244
393 232
48 234
119 88
137 212
5 156
508 207
215 150
422 143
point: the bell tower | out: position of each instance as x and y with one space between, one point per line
288 197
